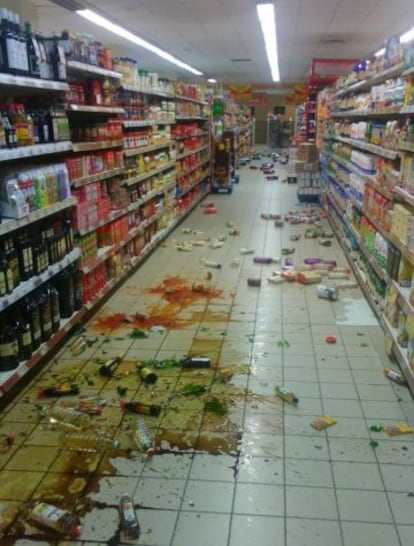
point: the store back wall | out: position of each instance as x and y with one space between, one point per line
261 114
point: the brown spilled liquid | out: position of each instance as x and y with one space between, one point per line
177 294
184 426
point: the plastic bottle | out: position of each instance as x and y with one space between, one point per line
143 409
129 521
52 517
286 395
327 293
209 263
143 438
67 417
90 441
395 376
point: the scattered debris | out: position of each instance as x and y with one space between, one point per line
330 339
397 430
283 342
376 428
214 405
192 388
374 444
321 423
286 395
395 376
287 251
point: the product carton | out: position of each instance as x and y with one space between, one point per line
307 152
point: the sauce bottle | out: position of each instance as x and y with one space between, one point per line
52 517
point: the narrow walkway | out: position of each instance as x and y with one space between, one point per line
258 473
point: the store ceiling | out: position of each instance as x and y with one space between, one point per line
222 38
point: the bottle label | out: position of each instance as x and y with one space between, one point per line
47 514
2 283
26 339
9 349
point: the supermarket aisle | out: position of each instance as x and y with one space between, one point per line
235 466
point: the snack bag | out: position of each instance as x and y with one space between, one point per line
321 423
395 430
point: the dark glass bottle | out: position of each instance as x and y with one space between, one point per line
24 338
3 277
77 286
9 349
45 311
31 315
54 306
12 261
33 52
65 286
25 253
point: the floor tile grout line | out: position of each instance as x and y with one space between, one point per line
341 530
376 459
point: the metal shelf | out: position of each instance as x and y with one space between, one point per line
189 99
191 152
404 195
103 175
89 109
369 82
36 150
8 225
144 149
152 91
148 174
405 250
26 287
9 379
132 123
400 354
32 83
89 146
77 66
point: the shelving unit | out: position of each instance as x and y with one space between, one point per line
157 198
367 234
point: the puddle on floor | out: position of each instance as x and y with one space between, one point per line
186 424
355 312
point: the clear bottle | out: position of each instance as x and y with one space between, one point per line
52 517
66 418
91 441
286 395
129 521
143 439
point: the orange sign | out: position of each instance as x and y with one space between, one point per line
258 99
240 91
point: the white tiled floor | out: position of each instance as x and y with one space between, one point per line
259 475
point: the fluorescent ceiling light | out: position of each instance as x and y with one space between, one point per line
380 52
123 33
212 80
407 36
267 16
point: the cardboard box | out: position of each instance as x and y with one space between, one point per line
307 152
306 167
